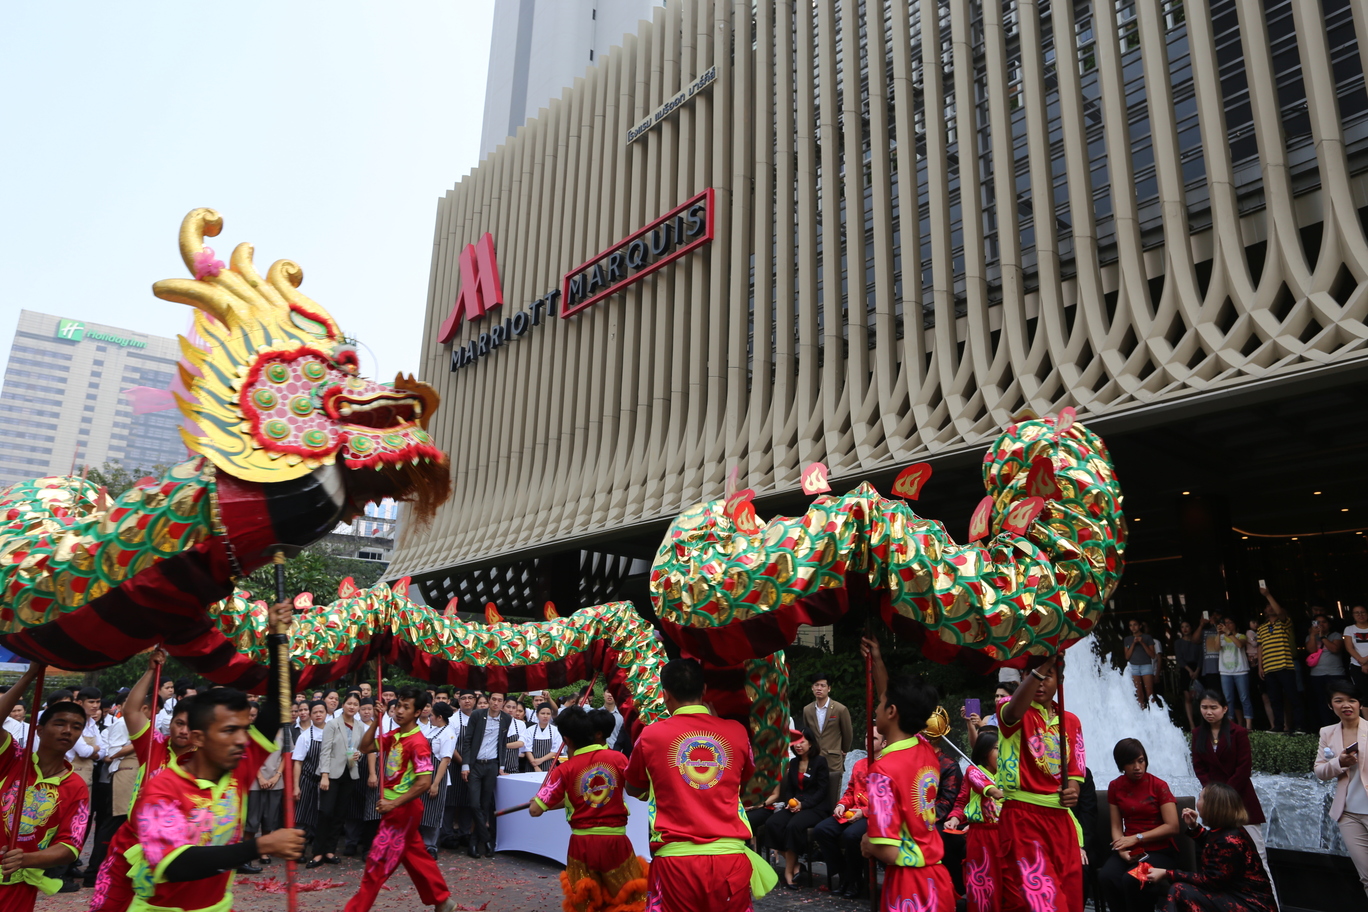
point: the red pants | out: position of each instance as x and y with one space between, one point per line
602 872
927 889
982 890
1040 860
398 840
18 897
718 883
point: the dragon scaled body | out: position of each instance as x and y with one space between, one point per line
287 439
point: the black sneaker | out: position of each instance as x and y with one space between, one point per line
248 868
69 886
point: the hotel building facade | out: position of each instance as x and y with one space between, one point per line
762 235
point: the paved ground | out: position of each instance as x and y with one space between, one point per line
510 882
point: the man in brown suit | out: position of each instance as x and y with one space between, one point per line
831 721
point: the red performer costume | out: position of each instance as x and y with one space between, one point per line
980 810
903 784
186 826
151 751
407 773
602 871
694 764
1040 841
55 814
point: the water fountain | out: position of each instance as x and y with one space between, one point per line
1104 701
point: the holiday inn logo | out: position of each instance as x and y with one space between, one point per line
71 330
75 331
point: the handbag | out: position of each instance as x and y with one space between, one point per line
1314 658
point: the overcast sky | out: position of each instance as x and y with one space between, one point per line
323 132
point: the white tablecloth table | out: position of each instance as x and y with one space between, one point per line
549 834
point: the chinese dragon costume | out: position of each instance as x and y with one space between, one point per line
287 440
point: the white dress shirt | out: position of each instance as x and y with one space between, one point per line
163 723
443 747
301 748
490 748
83 748
821 714
17 731
116 736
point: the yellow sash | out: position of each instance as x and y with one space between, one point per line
763 877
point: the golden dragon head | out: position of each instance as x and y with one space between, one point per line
273 391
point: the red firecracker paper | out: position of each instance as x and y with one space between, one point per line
1141 871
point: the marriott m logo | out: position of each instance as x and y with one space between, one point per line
480 289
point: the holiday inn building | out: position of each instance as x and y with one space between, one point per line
762 235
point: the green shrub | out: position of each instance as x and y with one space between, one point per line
1276 753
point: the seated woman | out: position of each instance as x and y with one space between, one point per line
800 801
1144 820
1230 876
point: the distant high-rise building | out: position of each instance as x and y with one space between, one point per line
539 48
63 403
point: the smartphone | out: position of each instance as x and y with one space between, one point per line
1262 584
972 707
1353 748
1206 615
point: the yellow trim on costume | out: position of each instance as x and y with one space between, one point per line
599 831
692 709
592 747
1050 801
904 744
880 840
763 876
141 905
541 804
35 876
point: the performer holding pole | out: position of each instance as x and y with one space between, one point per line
692 766
187 822
152 751
405 778
903 784
551 765
1040 841
47 827
602 870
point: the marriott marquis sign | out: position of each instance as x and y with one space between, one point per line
676 233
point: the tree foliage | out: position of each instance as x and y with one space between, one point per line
117 478
318 569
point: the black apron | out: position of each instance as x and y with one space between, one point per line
306 811
512 756
434 807
541 748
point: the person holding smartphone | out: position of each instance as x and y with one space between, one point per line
1339 758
